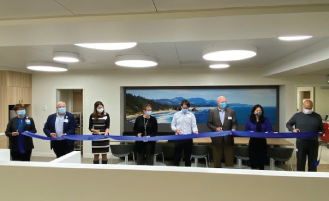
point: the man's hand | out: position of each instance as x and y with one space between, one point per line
178 131
219 129
139 135
233 129
296 130
14 133
321 134
53 135
196 132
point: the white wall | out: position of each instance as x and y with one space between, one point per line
85 182
322 101
106 86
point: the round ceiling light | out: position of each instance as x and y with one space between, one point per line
136 61
294 38
107 46
219 66
47 66
229 52
69 57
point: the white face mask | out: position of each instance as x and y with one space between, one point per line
306 111
100 110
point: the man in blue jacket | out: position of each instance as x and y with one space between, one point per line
57 125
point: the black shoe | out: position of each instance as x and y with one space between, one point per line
96 162
104 162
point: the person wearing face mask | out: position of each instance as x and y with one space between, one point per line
20 145
306 121
59 124
258 146
183 123
145 126
222 119
99 124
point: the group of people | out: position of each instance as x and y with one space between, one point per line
221 118
224 118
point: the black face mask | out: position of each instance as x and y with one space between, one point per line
258 114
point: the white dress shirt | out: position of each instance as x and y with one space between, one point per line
186 122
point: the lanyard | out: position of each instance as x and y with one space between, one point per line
145 124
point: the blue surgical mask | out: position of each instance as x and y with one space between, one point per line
184 110
223 105
62 110
21 112
149 113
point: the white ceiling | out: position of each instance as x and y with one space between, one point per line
18 9
173 55
175 38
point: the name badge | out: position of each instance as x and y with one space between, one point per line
27 121
230 118
66 121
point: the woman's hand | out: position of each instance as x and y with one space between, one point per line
14 133
98 132
139 135
106 134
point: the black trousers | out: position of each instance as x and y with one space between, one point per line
181 145
61 148
145 153
18 156
307 148
257 153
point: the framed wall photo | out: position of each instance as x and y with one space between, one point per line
165 102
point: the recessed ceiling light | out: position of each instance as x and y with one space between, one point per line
136 61
107 46
69 57
229 52
47 66
294 38
219 66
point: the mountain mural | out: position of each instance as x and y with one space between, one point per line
197 102
134 104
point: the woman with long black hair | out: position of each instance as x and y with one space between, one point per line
258 146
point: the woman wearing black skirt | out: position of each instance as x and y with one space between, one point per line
258 146
145 125
99 124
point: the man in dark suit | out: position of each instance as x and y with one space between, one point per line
222 119
57 125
